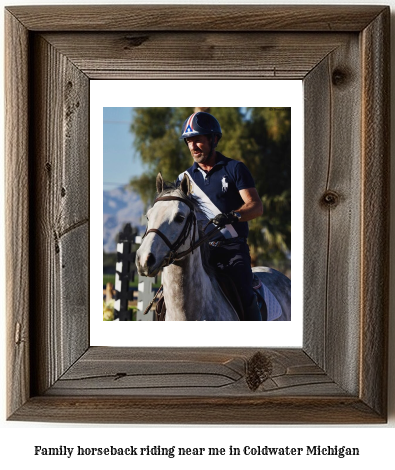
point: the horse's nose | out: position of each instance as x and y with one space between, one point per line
150 260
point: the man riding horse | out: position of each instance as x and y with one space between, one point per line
226 192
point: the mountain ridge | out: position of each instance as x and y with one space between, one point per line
121 205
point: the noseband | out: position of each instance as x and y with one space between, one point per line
186 231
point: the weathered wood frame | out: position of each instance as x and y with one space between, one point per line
340 374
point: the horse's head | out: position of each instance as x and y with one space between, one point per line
171 223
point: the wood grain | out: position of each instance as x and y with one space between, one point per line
184 385
17 214
339 376
192 410
376 212
60 194
333 213
196 18
236 55
202 372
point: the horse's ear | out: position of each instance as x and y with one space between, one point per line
160 184
186 185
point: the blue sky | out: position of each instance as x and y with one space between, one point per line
120 162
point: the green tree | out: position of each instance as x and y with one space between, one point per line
269 160
260 137
156 132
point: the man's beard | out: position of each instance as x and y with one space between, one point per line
201 157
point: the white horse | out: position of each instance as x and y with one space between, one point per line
172 243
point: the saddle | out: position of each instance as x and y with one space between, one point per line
258 286
230 290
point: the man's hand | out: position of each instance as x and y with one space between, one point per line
225 219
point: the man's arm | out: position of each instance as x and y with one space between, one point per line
251 209
252 206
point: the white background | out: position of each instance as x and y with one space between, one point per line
17 440
269 93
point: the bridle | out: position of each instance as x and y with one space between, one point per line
188 229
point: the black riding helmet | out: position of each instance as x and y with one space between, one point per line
201 123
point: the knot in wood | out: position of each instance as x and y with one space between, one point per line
330 199
259 369
339 77
18 334
135 41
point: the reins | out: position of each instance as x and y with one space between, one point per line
191 221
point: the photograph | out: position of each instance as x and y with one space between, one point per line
216 240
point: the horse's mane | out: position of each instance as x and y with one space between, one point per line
204 248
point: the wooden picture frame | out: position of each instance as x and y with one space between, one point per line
340 373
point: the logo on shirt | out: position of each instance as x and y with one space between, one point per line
225 184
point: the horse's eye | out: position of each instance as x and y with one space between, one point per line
179 218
